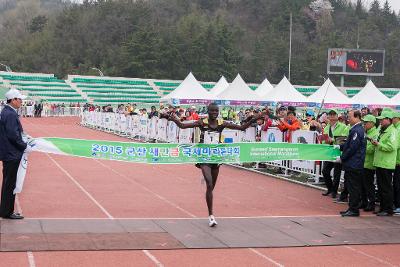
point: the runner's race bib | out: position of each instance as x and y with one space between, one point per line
211 138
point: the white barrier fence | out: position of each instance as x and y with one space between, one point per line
161 130
48 111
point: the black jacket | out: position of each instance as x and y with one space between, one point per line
11 144
354 149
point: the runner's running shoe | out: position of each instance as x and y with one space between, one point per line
211 221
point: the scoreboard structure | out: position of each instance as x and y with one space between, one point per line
356 62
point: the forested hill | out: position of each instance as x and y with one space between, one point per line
168 38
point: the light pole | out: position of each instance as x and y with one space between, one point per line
100 72
7 67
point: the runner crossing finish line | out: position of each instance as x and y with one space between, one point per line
177 153
206 156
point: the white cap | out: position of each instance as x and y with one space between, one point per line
193 107
14 93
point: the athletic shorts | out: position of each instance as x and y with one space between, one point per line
211 165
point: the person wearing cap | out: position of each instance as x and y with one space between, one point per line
352 159
396 175
333 129
310 124
11 149
385 161
288 125
368 188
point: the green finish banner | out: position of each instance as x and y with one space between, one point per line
164 153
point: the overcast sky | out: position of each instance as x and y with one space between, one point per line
395 4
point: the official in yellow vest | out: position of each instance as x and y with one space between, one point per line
333 129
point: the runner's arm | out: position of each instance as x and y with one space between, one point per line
182 125
244 126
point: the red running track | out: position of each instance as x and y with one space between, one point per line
67 187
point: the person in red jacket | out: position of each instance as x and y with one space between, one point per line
193 116
267 120
288 125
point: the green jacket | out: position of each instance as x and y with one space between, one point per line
372 133
340 130
386 152
397 126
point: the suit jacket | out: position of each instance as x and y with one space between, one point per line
354 149
11 144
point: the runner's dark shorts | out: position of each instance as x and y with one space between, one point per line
211 165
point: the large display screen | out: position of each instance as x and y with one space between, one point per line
356 62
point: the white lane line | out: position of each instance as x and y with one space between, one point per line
147 189
153 258
31 259
371 256
266 257
81 187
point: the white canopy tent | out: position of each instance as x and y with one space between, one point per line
189 89
285 92
264 88
370 95
238 91
329 94
220 86
396 99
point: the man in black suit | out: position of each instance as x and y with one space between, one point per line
353 158
11 149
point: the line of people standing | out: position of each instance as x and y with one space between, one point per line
371 150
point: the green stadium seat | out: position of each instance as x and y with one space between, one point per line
31 78
109 81
41 84
134 92
167 84
112 87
